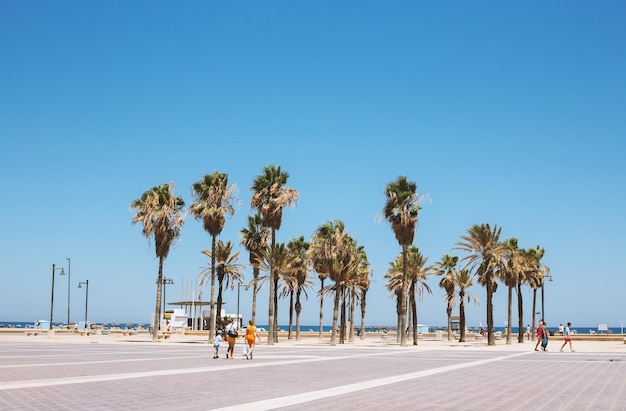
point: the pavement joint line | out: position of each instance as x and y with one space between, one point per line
296 399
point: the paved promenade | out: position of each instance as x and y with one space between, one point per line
131 373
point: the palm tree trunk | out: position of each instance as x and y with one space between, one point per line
212 315
276 307
342 326
255 273
333 333
462 316
532 337
520 314
290 315
414 317
218 310
362 334
271 329
509 316
449 312
298 310
321 331
491 340
402 319
157 310
351 329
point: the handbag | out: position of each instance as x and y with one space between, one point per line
232 332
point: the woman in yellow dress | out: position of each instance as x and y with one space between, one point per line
251 337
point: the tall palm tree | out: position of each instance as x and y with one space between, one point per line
269 198
536 274
401 210
417 273
364 285
227 271
299 272
357 286
444 268
319 256
255 238
463 280
276 260
481 244
333 251
213 200
161 214
508 270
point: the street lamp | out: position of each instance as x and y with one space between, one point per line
68 291
86 283
54 268
239 323
165 281
543 312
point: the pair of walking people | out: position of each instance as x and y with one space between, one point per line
542 336
232 332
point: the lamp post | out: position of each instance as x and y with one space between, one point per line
543 312
68 291
86 283
165 281
54 268
239 323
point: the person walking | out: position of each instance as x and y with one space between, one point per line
231 338
251 336
544 336
539 335
216 344
568 338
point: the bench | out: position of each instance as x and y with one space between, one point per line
83 332
36 332
165 335
124 332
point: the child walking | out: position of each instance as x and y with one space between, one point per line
216 343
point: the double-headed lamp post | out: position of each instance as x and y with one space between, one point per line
543 312
80 284
165 282
54 268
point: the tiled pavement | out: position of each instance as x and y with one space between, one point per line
181 375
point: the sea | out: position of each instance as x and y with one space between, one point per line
328 328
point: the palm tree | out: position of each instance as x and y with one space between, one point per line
462 281
509 267
364 285
227 271
255 238
481 244
417 273
320 260
536 274
276 259
213 200
401 210
332 252
357 286
299 273
444 268
269 198
161 214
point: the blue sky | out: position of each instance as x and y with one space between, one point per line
504 113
